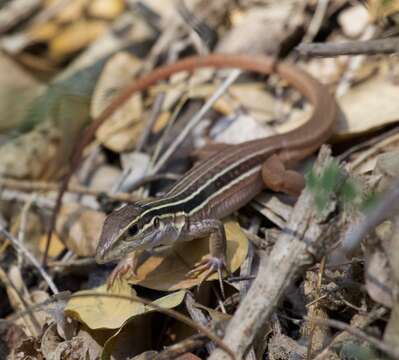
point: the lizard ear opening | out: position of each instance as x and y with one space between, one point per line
156 222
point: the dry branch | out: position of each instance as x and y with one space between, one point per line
368 47
303 239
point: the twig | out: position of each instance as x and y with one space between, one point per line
206 37
182 347
359 321
354 64
195 120
20 247
368 47
72 263
197 315
156 109
24 221
379 344
314 307
385 136
41 186
21 300
303 240
160 143
15 11
388 203
316 21
376 149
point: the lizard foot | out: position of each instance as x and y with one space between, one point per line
207 266
125 266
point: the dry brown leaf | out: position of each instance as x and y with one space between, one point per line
272 208
75 37
120 344
387 165
244 128
106 9
296 118
33 229
121 131
262 29
391 335
167 270
83 346
31 155
254 97
104 177
378 279
369 106
80 228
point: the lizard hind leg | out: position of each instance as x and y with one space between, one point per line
280 179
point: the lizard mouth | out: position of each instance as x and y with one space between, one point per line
100 257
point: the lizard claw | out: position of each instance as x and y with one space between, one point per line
124 266
207 266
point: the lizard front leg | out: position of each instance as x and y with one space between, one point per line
216 260
128 264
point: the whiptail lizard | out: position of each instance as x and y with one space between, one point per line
221 184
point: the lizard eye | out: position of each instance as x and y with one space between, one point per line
156 222
133 230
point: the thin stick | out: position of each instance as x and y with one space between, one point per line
316 21
20 247
24 221
380 345
368 143
172 119
388 203
368 47
156 109
42 186
294 250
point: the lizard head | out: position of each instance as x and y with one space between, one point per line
135 227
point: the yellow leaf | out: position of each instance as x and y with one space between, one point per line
167 270
56 245
161 122
44 32
75 37
106 9
100 312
